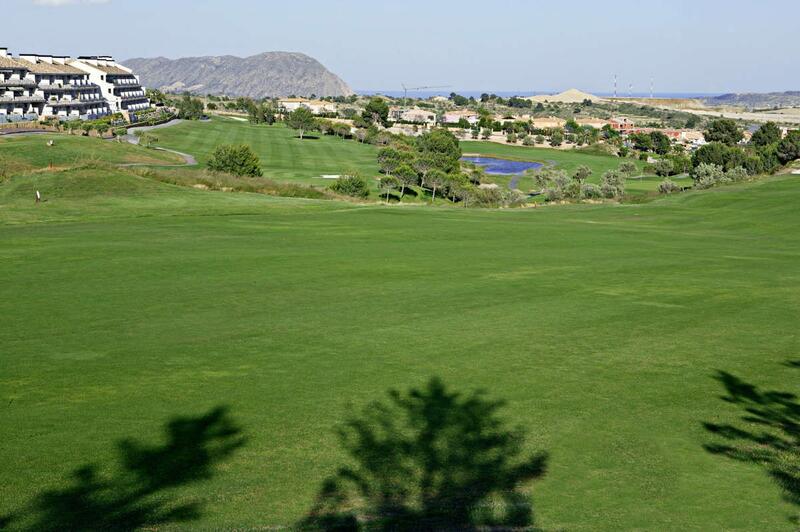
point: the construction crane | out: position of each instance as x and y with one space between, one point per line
406 89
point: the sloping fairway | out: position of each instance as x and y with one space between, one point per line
70 150
284 157
603 327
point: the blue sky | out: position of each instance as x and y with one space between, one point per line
499 45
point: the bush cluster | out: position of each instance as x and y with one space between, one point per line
238 160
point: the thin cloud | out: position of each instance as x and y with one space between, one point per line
59 3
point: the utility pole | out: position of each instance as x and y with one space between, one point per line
615 85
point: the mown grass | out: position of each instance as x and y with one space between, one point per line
284 156
32 151
127 302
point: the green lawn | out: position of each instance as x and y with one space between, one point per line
284 157
33 151
126 303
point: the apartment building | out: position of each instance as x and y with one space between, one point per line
35 86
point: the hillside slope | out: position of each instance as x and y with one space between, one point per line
258 76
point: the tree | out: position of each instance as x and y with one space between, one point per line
486 133
788 149
351 184
767 134
443 147
239 160
641 141
302 120
661 143
389 184
102 128
429 459
556 138
189 108
723 130
407 176
377 111
388 160
423 165
582 173
435 180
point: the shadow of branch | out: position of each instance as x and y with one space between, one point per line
429 459
137 496
768 433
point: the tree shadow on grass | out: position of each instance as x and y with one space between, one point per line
768 433
429 459
138 496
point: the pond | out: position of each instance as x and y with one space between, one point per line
495 166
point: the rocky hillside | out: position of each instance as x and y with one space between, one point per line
757 100
259 76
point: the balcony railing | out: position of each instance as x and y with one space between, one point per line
22 99
17 83
69 88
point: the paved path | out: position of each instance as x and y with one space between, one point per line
189 160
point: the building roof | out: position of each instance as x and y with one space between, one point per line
111 70
41 67
7 62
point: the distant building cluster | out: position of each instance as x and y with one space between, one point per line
34 86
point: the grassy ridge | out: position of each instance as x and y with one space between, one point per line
32 151
602 326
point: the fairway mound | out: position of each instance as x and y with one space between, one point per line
79 182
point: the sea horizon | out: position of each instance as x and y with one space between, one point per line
507 94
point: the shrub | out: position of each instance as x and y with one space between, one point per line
352 185
736 174
239 160
527 140
590 191
707 175
628 168
511 138
667 186
613 184
664 167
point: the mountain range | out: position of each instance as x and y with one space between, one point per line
264 75
754 100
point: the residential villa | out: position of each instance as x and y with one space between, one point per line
454 117
317 107
35 86
622 124
413 115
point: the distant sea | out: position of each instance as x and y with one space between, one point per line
508 94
